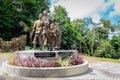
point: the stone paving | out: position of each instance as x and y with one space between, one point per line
98 70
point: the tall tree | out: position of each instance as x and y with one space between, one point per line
115 42
79 29
12 12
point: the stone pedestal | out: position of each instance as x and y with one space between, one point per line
46 54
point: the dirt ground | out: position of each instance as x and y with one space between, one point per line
98 70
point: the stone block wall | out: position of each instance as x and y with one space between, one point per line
14 45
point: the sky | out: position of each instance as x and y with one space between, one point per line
97 9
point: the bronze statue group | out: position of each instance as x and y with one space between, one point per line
46 32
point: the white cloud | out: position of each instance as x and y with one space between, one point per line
116 9
88 8
80 8
117 6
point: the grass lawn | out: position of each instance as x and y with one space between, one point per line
104 59
6 52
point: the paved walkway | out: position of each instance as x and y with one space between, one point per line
98 70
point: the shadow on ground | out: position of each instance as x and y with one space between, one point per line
90 70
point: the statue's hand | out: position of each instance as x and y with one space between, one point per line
43 32
55 34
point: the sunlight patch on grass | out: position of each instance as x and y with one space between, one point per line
6 52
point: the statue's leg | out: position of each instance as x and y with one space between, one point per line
51 45
53 42
40 41
34 43
34 46
49 42
57 42
43 41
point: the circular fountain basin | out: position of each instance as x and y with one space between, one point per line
46 72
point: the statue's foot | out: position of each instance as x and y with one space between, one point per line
56 47
33 49
42 48
50 49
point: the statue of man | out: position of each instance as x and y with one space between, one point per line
45 18
45 26
37 31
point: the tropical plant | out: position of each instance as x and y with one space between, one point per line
11 59
52 64
64 62
30 61
77 61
